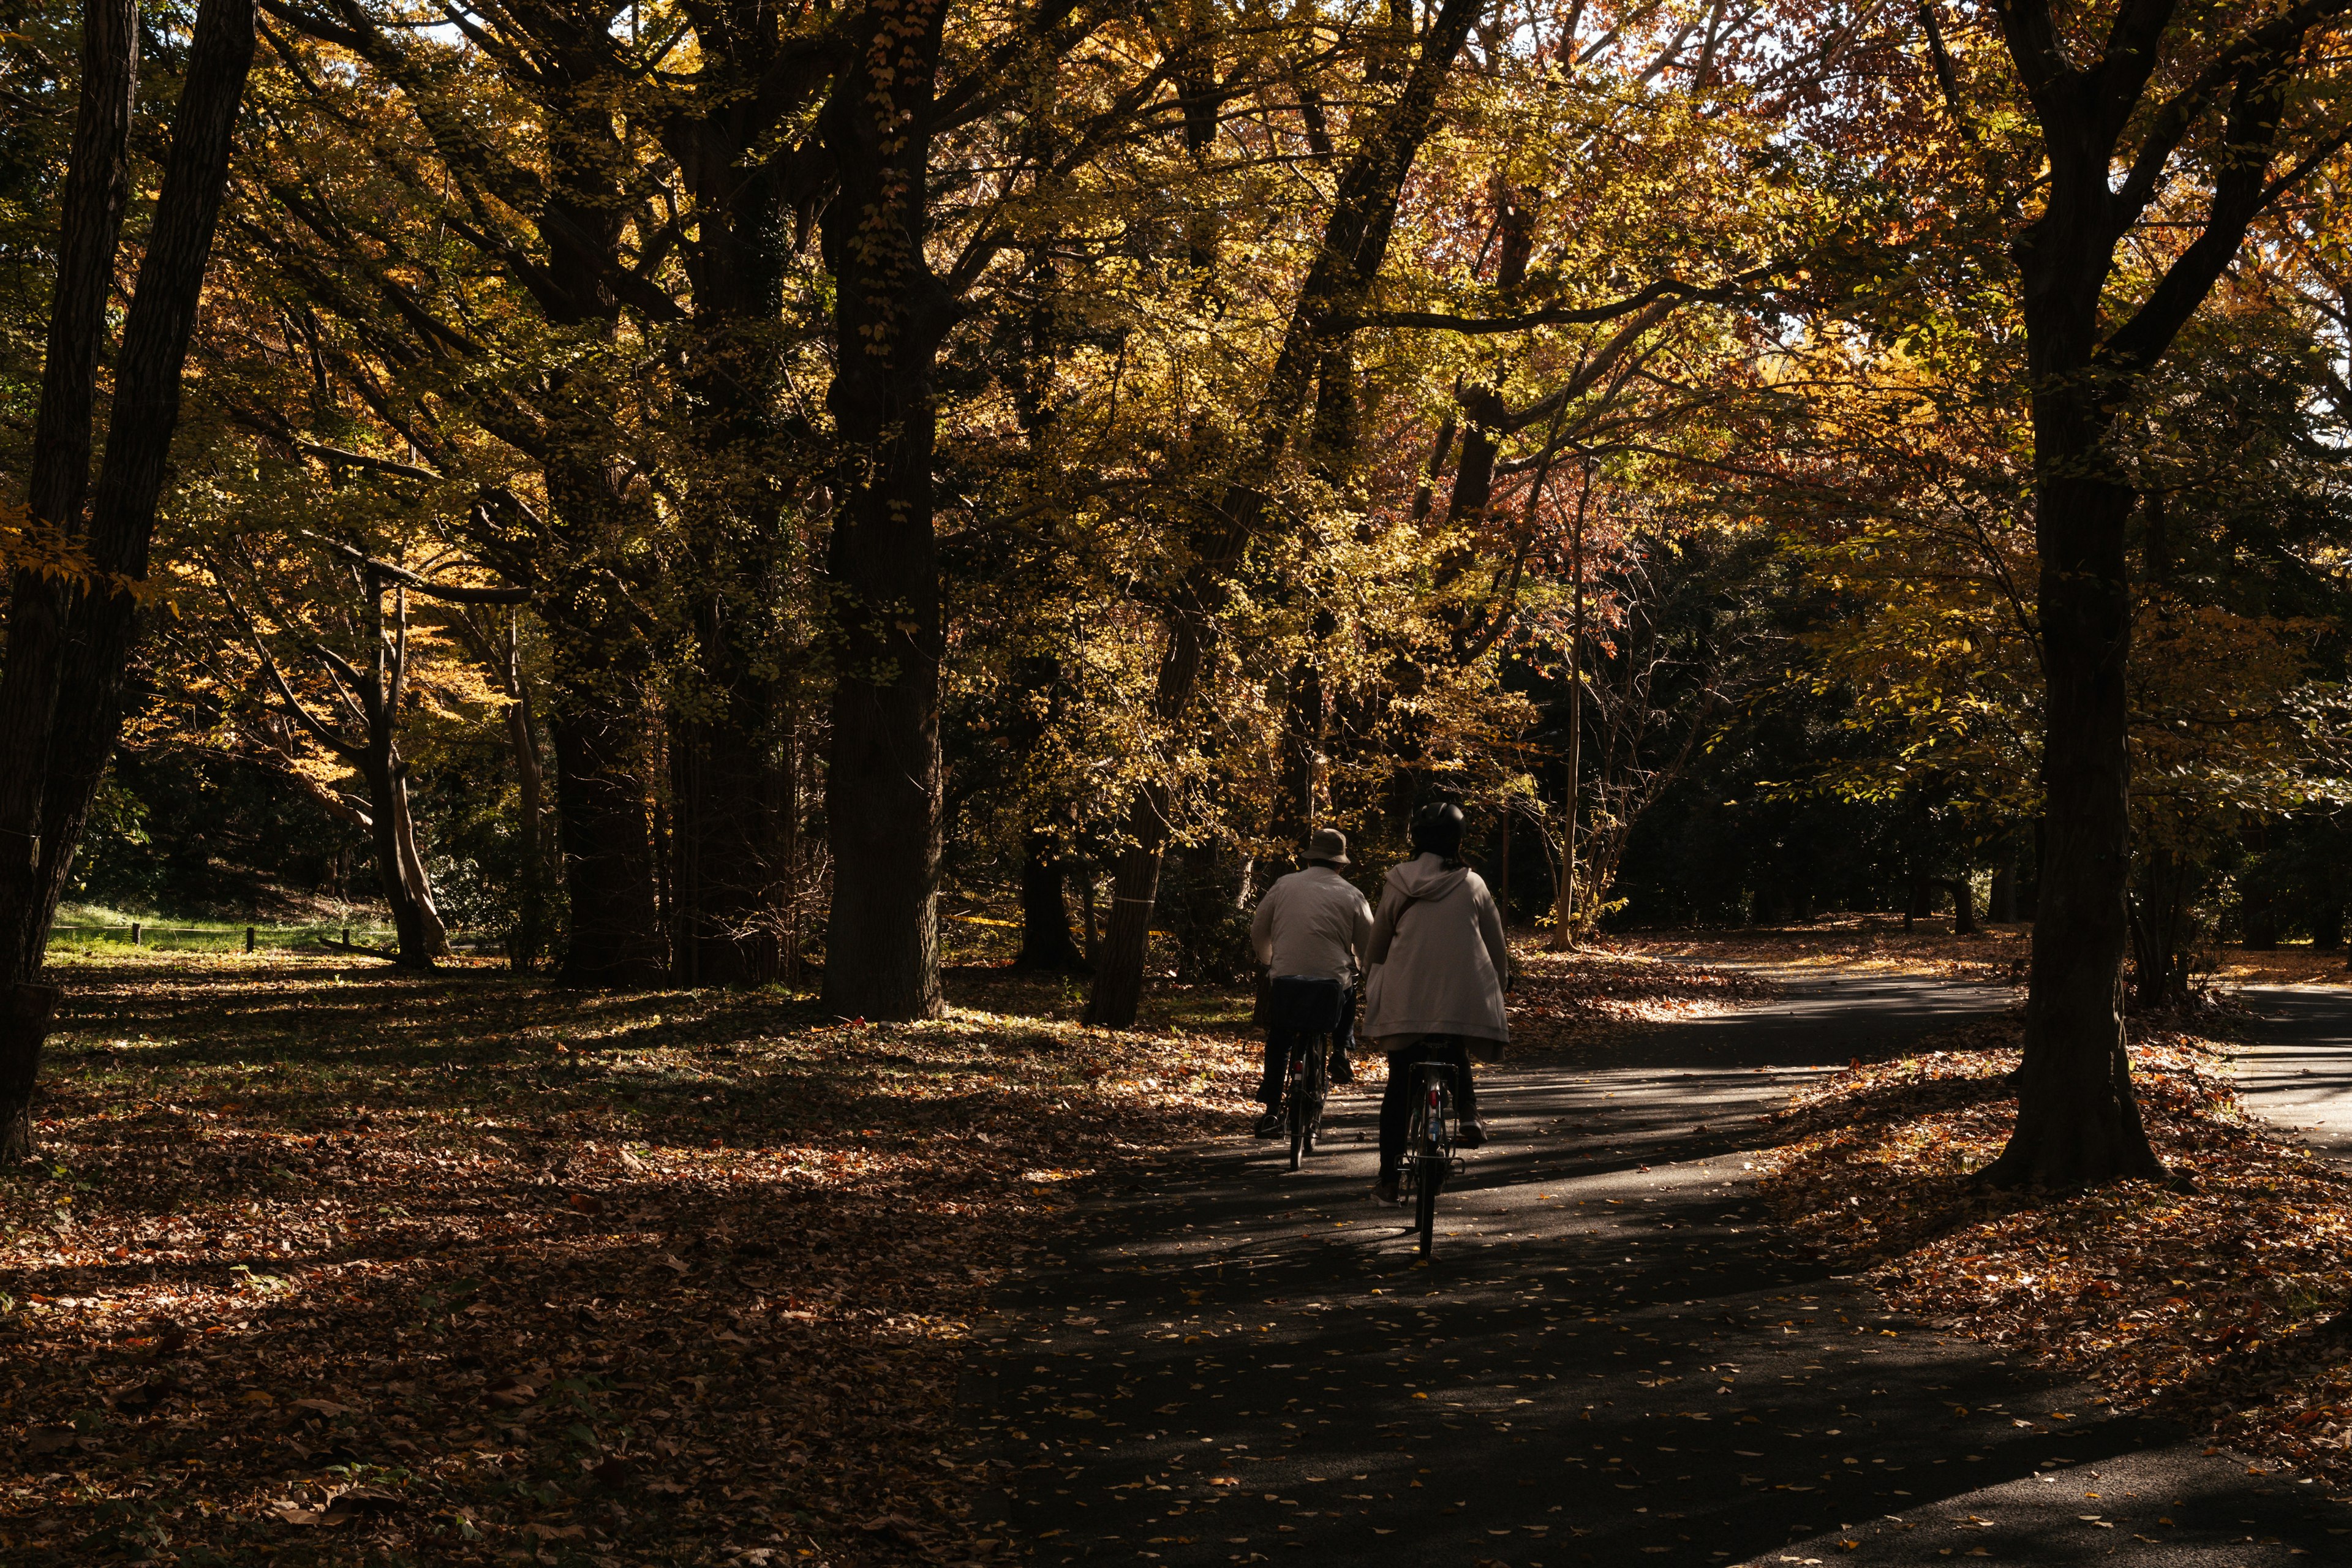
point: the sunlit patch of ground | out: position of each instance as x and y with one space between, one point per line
2207 1304
1610 986
2293 963
1873 942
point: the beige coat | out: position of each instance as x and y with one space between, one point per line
1438 959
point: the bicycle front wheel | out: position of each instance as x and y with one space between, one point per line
1424 1200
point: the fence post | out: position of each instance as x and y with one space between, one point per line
135 934
249 939
347 936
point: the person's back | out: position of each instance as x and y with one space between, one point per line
1437 945
1312 924
1309 933
1440 966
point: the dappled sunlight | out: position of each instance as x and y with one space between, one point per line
499 1264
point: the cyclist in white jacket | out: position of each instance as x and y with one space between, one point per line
1440 969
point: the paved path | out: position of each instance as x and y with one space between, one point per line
1607 1363
2296 1066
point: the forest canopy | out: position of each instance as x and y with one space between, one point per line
700 493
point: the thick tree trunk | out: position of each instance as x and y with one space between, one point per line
2078 1123
63 714
1047 944
726 786
726 887
432 932
883 792
90 225
1964 913
608 853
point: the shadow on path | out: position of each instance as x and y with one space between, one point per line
2295 1067
1606 1363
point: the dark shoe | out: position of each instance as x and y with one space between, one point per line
1269 1125
1471 1135
1386 1191
1341 1071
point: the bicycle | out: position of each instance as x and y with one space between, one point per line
1307 1087
1429 1146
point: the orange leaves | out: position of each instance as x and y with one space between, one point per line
2202 1304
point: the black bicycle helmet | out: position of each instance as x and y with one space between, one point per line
1437 830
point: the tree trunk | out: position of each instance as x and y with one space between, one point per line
1563 936
527 944
2156 909
726 785
1295 813
883 792
2004 891
723 788
97 181
1354 245
608 860
1046 945
409 940
433 935
60 701
1964 913
2078 1123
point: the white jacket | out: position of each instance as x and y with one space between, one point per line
1312 924
1438 957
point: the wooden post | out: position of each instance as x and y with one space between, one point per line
135 934
249 939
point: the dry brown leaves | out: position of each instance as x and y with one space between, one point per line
333 1265
2203 1304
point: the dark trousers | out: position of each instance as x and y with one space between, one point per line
1396 1105
1277 1052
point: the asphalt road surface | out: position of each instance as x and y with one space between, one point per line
2296 1067
1607 1361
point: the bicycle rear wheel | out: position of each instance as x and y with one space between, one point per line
1299 1134
1424 1199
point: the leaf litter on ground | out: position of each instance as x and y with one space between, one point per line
2212 1305
323 1262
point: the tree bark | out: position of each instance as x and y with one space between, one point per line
883 793
90 225
1354 245
71 729
608 851
2078 1123
1047 944
1563 936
